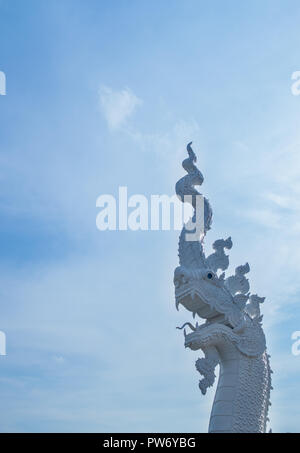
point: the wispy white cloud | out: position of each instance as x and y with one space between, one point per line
168 142
277 193
280 200
117 106
264 217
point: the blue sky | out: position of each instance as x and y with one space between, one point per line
105 94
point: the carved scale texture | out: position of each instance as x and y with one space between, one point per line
253 395
251 377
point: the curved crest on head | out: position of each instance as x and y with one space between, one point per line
253 306
238 283
218 259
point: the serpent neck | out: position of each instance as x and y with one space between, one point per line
242 397
221 419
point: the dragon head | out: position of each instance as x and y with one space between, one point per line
202 292
207 295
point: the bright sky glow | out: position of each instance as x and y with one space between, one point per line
103 94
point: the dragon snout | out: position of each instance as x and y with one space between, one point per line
180 277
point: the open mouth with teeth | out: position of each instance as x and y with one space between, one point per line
191 340
202 292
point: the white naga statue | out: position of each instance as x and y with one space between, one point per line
232 335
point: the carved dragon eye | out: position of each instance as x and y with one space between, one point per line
209 275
